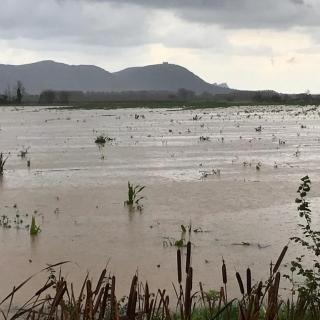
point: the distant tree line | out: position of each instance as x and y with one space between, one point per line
54 97
258 97
65 97
18 95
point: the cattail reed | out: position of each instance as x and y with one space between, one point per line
146 299
249 286
100 281
240 282
282 254
277 283
224 272
101 303
224 279
103 306
179 265
188 300
188 261
132 298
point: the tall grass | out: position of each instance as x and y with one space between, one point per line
57 299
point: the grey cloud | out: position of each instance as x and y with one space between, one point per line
314 50
55 24
73 21
90 25
298 2
272 14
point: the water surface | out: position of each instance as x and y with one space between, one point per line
77 190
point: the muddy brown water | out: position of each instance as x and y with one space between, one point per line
76 190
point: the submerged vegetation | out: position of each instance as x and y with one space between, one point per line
34 228
181 242
3 161
18 222
101 139
134 197
23 152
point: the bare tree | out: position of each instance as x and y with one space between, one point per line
20 91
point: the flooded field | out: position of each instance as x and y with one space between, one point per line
233 173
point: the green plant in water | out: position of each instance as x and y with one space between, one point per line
5 222
3 161
134 197
23 152
34 229
101 140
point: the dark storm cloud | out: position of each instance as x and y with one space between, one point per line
72 22
271 14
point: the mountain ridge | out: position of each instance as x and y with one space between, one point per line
48 74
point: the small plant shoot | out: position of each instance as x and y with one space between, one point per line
34 228
102 140
134 197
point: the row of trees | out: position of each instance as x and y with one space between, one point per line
18 95
50 97
64 97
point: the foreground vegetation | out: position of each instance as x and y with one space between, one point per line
56 299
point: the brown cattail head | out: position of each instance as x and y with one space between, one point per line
240 282
224 272
249 286
188 261
179 265
277 265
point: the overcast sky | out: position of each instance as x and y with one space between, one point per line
250 44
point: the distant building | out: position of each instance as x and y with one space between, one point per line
165 62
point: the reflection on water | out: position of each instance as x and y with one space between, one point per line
77 190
